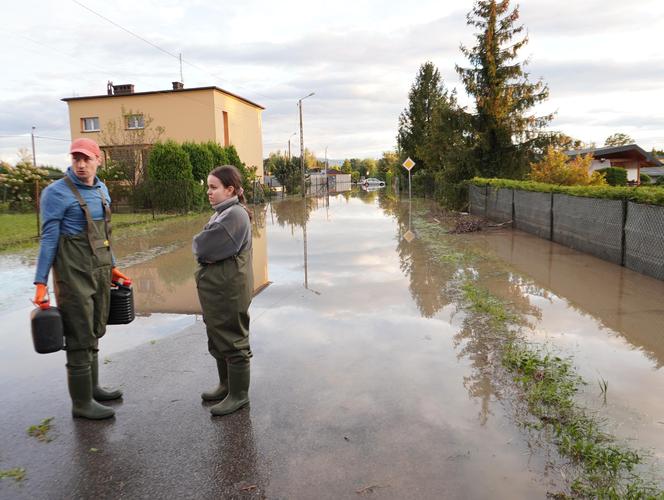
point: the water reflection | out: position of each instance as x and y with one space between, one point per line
164 283
626 302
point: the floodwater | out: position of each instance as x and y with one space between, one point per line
366 378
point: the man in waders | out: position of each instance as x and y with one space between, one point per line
75 241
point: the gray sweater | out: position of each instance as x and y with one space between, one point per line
227 233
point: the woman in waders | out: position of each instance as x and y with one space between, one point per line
75 242
225 282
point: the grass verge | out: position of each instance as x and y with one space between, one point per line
19 231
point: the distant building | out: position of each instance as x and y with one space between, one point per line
630 157
198 114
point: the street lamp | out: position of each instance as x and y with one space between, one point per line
299 104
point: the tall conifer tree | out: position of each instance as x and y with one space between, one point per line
415 119
506 130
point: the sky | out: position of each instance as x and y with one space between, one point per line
601 59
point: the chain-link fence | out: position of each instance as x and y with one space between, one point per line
591 225
626 233
644 239
532 212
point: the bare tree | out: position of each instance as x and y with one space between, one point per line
126 142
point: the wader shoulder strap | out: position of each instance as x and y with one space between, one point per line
88 217
107 215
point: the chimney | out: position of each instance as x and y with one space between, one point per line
109 87
178 85
127 88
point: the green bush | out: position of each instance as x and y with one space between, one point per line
660 180
453 195
651 195
615 176
169 162
645 179
201 158
219 155
170 184
423 182
389 179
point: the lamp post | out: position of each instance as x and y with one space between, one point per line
299 104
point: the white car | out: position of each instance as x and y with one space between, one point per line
372 181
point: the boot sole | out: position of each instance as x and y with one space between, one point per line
228 412
80 415
220 398
107 398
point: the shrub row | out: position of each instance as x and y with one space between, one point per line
651 195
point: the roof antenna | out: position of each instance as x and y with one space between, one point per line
181 77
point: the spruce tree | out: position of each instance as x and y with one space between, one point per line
414 120
506 130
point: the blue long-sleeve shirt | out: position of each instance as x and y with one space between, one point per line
61 214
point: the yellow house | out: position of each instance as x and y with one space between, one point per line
198 114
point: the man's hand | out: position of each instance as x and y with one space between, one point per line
120 278
42 299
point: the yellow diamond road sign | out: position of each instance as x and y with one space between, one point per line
408 164
409 236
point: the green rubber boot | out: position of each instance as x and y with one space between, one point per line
221 391
238 389
79 379
99 393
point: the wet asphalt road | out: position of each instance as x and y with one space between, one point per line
339 431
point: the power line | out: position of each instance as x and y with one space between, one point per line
51 138
175 56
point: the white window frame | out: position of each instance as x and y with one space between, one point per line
135 122
93 120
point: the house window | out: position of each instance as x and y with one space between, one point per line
135 122
90 124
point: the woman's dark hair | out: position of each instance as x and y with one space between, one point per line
229 176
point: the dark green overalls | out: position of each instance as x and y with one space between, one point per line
225 290
82 276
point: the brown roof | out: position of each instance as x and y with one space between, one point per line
164 92
631 151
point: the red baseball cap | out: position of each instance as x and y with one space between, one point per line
86 146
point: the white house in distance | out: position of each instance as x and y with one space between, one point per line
630 157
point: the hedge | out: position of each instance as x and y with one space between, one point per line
651 195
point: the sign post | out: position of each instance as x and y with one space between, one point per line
408 165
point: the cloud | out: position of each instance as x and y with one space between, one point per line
592 77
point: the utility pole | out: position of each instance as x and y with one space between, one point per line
34 163
34 158
181 77
299 103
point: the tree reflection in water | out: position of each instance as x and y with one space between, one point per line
436 281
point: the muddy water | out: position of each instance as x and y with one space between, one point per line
366 373
162 266
608 318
